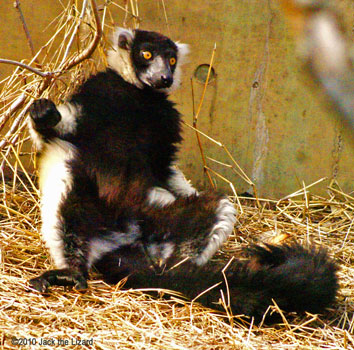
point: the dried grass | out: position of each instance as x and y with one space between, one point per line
119 319
116 318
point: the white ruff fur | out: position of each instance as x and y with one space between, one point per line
55 182
120 60
226 219
69 116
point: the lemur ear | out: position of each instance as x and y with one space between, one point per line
125 39
183 51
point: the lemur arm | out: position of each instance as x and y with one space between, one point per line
48 120
177 186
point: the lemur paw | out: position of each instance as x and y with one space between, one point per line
160 197
44 114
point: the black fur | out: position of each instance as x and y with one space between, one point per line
296 278
45 116
136 130
125 140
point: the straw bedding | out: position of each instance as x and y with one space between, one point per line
109 317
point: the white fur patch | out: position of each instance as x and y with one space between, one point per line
179 184
160 252
226 219
160 197
35 136
155 68
69 116
55 181
120 60
99 246
183 51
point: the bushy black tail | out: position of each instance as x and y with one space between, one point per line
296 278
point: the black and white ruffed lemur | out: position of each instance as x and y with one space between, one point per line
112 198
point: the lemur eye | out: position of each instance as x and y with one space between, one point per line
147 55
172 61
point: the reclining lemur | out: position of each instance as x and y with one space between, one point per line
111 196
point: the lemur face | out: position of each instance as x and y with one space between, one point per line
154 57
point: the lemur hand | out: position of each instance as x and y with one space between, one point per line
44 114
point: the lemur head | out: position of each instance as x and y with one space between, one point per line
147 59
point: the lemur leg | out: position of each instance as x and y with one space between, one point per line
76 229
62 277
56 183
67 242
49 121
81 257
64 206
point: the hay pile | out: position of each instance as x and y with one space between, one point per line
116 318
107 317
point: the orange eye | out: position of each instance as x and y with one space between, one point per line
147 55
172 61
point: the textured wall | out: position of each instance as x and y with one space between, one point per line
261 105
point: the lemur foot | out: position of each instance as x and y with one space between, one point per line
44 114
63 277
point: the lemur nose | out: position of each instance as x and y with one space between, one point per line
166 80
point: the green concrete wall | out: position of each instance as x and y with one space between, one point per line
261 105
